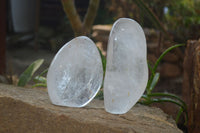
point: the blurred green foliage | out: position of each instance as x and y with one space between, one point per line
27 75
183 19
180 17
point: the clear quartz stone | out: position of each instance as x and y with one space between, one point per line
75 74
126 71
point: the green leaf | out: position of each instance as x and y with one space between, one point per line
160 100
154 82
26 76
149 66
179 114
39 85
103 59
44 72
164 53
99 95
159 60
168 95
40 79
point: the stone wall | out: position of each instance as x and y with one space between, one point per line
24 110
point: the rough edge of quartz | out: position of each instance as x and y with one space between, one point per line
116 22
66 45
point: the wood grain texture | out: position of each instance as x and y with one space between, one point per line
191 84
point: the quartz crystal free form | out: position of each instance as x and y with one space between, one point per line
75 74
126 71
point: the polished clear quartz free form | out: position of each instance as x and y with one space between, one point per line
75 74
126 71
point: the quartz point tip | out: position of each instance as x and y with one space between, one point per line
126 70
75 74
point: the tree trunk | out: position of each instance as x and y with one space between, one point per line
73 16
191 84
79 27
90 16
